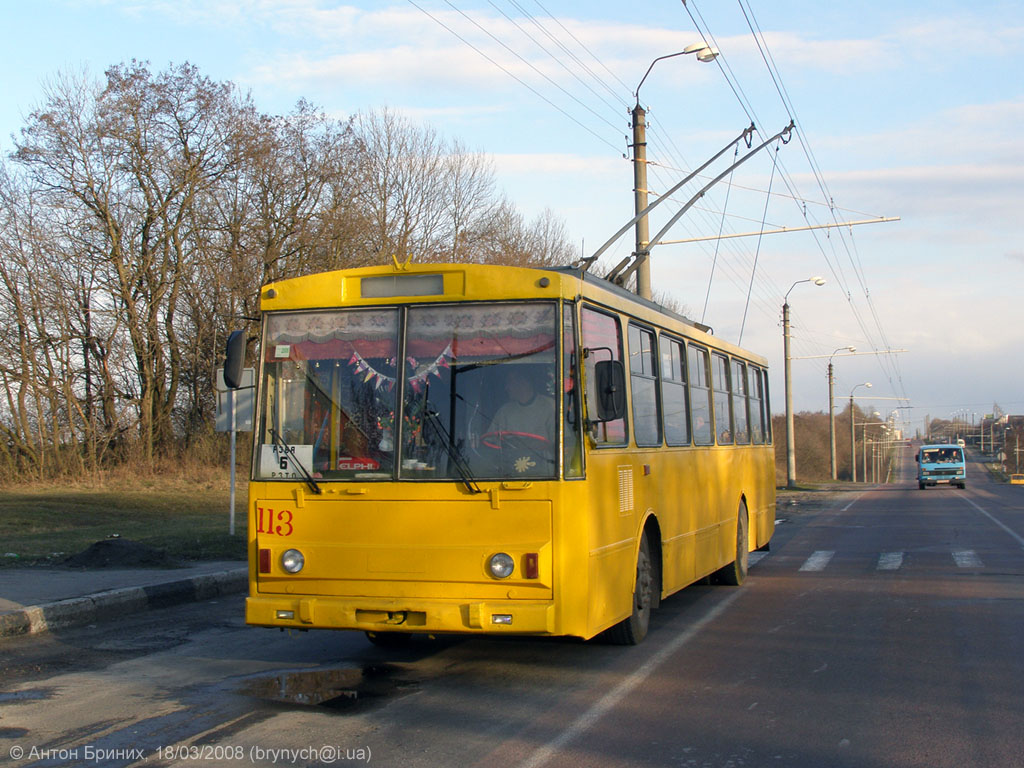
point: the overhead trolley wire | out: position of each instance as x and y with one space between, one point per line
757 252
508 48
554 58
582 45
579 62
735 274
511 74
834 266
731 257
760 292
718 242
732 249
853 256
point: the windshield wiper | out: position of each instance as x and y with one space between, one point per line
431 417
313 485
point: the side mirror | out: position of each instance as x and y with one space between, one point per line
234 359
611 390
917 457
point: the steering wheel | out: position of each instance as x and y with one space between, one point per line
494 439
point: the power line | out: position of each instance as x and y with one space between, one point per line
554 58
834 264
511 74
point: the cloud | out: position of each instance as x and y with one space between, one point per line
557 164
402 47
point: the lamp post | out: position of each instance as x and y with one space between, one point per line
864 443
853 436
643 270
832 410
790 448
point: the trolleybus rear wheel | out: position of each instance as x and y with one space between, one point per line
735 572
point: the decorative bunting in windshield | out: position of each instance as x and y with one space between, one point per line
416 381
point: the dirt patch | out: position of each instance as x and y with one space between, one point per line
805 501
120 553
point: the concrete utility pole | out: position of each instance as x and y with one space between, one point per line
832 410
853 435
643 269
832 424
790 430
788 378
704 53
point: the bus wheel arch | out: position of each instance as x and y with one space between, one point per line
735 572
646 589
652 530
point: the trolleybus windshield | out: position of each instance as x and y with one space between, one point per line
434 392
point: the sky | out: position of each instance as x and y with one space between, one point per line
902 108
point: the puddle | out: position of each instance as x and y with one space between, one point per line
336 689
33 694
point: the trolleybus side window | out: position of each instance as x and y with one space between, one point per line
602 340
675 407
739 402
643 374
756 394
700 396
573 433
723 411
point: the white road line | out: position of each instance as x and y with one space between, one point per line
967 558
755 557
817 561
890 561
855 500
590 718
1020 540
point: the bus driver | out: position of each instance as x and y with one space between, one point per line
523 429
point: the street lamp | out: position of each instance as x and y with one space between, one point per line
832 410
790 448
853 436
643 257
863 442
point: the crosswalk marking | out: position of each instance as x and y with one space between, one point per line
887 561
890 561
966 558
817 561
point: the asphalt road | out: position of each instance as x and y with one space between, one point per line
884 628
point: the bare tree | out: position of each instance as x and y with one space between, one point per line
140 217
469 201
128 162
404 185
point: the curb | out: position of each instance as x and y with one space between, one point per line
77 611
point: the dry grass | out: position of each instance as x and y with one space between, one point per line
184 513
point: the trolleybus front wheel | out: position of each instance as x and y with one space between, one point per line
632 630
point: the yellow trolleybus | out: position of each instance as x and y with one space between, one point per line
485 449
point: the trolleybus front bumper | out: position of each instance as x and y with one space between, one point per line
427 616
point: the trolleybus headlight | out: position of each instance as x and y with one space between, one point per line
501 565
292 561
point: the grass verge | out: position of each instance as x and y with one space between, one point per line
186 520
